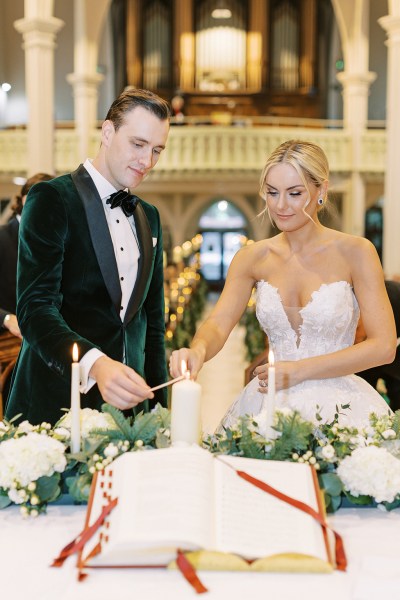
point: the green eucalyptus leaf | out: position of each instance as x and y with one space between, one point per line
79 487
336 502
392 505
361 500
4 500
48 488
331 483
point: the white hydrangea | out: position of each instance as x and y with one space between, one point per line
90 419
29 457
371 471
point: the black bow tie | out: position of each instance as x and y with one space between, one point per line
125 200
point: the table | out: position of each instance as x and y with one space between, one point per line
27 547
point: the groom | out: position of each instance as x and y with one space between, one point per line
91 272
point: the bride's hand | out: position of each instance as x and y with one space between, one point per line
193 358
286 375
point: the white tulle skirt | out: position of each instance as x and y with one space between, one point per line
322 396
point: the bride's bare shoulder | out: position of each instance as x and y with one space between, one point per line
354 248
350 244
256 250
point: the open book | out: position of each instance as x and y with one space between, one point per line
188 498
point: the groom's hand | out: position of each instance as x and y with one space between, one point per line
119 385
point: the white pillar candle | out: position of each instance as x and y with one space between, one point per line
75 403
185 410
271 395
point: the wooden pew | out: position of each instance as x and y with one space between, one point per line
9 349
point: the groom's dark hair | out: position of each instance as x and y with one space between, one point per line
132 98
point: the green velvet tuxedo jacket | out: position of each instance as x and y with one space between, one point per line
68 291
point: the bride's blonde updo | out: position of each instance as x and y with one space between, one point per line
307 158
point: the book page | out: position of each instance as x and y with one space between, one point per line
252 523
165 499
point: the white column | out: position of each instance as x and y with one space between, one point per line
355 97
89 16
355 116
353 23
85 107
391 209
39 30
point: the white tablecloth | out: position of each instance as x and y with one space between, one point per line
27 548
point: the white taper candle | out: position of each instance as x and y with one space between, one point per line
75 402
185 410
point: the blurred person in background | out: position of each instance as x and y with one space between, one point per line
8 258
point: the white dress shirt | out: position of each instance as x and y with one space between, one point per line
126 250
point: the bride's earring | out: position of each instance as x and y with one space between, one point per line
320 200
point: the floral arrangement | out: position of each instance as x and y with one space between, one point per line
360 467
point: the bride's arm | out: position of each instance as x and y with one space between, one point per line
214 331
379 345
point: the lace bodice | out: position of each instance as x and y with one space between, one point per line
327 323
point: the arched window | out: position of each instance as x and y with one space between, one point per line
223 228
222 214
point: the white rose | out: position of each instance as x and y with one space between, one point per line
389 434
328 452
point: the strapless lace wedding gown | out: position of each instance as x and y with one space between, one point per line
326 324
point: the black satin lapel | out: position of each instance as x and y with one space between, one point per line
99 233
145 239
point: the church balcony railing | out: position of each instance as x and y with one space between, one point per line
199 145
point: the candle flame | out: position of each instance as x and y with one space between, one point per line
75 353
271 358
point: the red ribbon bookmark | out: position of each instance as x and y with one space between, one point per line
85 535
189 573
341 560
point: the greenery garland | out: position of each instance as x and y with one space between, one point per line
51 471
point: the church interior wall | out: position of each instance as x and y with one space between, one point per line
165 194
13 64
377 60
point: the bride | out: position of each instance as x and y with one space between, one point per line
312 285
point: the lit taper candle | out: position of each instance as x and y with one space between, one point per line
75 402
